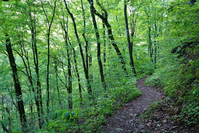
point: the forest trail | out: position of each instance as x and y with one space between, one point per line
126 119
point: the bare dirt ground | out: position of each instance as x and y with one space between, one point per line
127 118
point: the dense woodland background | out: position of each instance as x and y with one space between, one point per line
67 64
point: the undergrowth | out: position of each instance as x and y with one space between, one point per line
180 82
88 118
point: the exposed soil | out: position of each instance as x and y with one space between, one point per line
127 119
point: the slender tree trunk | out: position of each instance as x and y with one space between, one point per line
17 85
104 18
69 82
57 83
150 46
69 88
90 66
81 52
47 77
155 37
98 45
160 33
9 119
87 48
83 34
25 58
78 77
48 45
38 95
155 42
5 128
130 45
104 38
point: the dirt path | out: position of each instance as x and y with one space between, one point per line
126 119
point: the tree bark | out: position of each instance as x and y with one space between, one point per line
4 128
104 38
78 77
155 43
150 46
69 87
83 34
104 18
69 81
98 45
48 44
130 45
17 85
81 51
9 119
57 83
38 95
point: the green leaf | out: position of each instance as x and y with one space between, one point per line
72 120
67 125
73 114
52 131
67 115
60 113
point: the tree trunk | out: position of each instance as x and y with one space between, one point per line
57 83
155 43
155 37
9 119
104 38
110 34
83 34
69 81
25 58
38 95
17 85
130 45
4 128
69 88
48 47
150 46
78 77
98 45
81 52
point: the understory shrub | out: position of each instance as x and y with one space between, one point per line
88 118
180 81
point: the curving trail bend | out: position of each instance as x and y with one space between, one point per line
126 119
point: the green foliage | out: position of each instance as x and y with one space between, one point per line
153 80
62 121
89 118
178 73
123 94
190 113
25 22
144 66
181 82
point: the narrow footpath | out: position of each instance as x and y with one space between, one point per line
127 119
